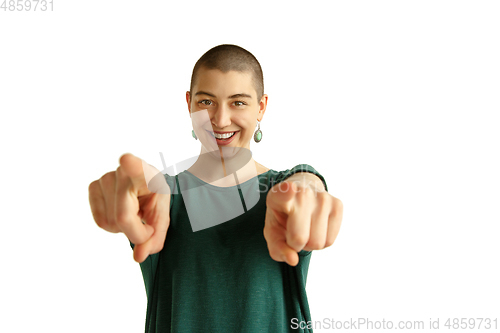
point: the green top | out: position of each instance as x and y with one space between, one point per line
221 278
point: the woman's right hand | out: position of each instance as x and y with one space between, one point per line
120 200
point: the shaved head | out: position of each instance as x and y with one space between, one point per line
227 58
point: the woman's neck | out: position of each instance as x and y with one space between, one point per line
227 167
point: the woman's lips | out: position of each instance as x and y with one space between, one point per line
226 141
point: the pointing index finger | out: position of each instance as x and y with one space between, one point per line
298 226
133 168
130 184
280 197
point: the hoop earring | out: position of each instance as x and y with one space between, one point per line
258 134
194 135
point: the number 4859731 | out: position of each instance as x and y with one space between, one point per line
27 5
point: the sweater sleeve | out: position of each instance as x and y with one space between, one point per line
282 176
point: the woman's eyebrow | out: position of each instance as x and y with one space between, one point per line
204 93
240 95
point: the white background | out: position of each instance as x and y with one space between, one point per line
396 103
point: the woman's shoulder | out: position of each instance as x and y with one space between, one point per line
261 169
279 176
293 169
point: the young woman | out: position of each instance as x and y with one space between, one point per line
225 245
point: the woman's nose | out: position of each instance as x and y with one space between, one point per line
222 117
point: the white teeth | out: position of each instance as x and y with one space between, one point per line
224 136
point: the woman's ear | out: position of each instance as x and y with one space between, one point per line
263 105
188 100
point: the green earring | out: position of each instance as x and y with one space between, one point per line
194 135
258 134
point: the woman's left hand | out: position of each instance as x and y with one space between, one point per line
300 217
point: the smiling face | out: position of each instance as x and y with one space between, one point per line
230 100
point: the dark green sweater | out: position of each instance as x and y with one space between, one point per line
222 278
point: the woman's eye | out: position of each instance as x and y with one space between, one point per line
205 102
